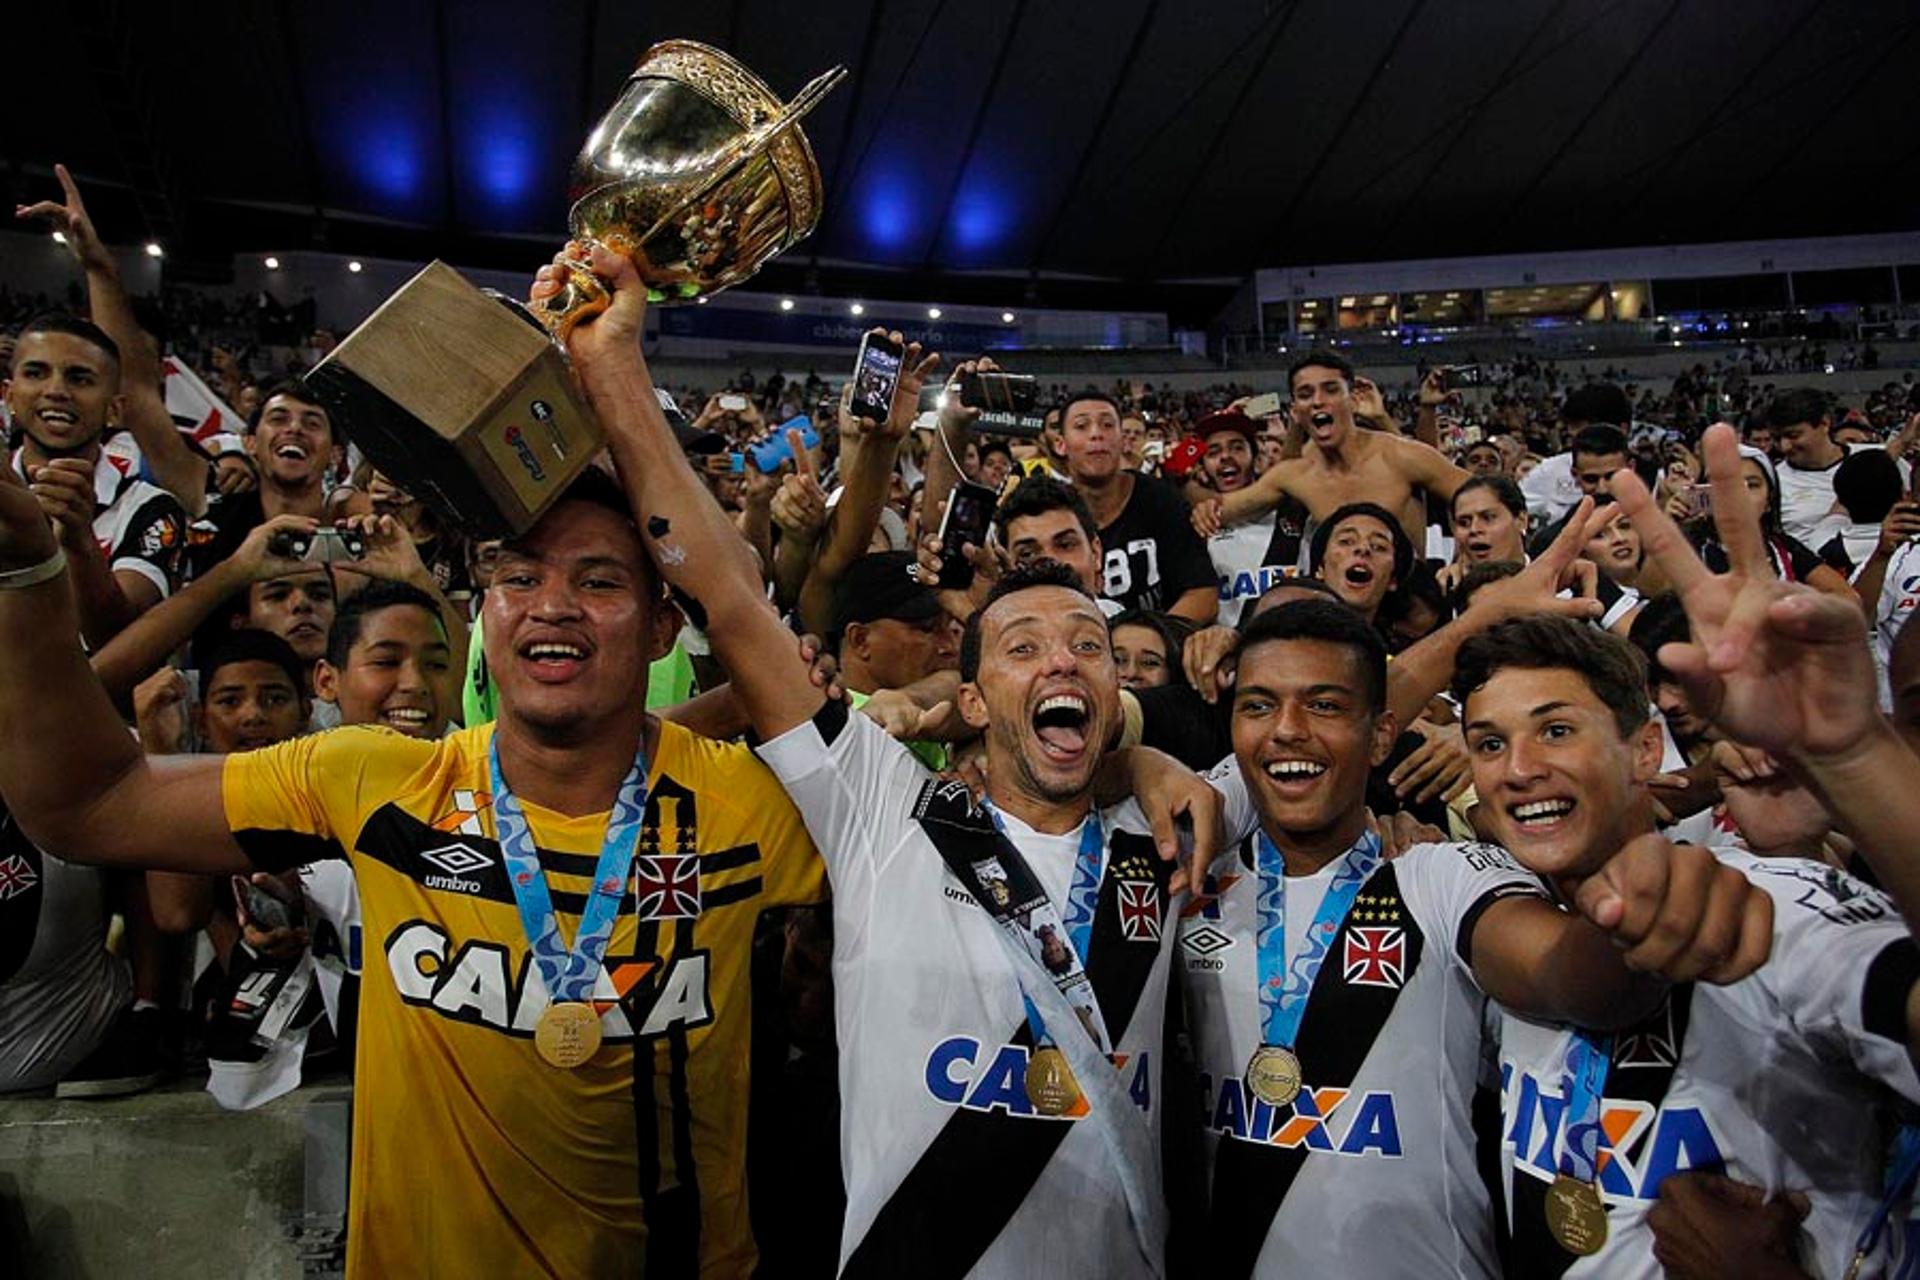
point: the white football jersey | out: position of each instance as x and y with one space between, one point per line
1779 1080
949 1168
1370 1171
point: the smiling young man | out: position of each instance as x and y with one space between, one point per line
1341 463
292 442
1338 998
1718 1078
123 538
388 662
573 1112
1248 557
1000 1118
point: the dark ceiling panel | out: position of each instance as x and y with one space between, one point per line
1180 94
890 193
512 114
1136 141
1058 77
374 107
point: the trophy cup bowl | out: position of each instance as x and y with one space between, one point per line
699 174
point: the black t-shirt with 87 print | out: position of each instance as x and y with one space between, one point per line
1152 555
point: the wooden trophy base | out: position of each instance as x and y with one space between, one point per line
463 402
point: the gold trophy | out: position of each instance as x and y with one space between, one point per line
698 173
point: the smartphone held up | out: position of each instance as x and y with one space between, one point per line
876 372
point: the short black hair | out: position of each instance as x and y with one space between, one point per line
1867 483
1087 393
1612 668
250 644
1598 402
1041 573
1502 487
1421 585
1599 438
1661 620
292 389
350 616
1402 546
1334 623
1796 405
1296 581
1038 494
73 326
1324 359
993 444
1478 576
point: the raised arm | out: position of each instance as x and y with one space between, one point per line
1786 668
690 538
868 451
179 470
1429 469
144 646
69 769
1242 505
952 430
1426 666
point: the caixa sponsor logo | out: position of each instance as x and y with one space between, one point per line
1330 1120
1640 1146
476 983
962 1072
524 451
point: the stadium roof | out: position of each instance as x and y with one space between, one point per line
1137 141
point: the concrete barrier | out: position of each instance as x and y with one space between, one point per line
167 1186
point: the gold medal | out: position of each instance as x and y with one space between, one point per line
1575 1216
1273 1073
1051 1087
567 1034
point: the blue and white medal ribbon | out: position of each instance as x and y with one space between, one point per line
569 1030
1576 1217
1273 1073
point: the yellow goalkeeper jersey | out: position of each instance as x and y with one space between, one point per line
471 1155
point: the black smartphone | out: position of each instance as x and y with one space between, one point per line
1462 375
875 374
969 515
997 392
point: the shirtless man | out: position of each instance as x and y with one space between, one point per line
1341 463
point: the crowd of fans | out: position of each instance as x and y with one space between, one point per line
1569 711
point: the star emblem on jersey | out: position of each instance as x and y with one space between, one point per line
16 877
1205 940
666 886
457 859
1139 911
1376 957
1382 908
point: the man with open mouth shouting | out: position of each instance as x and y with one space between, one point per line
1341 462
1362 554
1000 969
